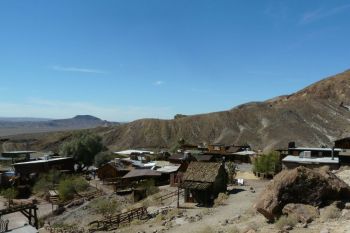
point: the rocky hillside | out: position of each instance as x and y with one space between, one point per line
314 116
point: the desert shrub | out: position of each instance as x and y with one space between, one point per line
47 181
71 185
205 229
207 211
150 187
106 207
283 221
331 212
221 199
267 163
233 229
9 194
231 171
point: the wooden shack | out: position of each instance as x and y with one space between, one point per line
141 174
25 169
203 181
112 170
343 143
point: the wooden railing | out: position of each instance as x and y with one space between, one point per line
114 222
71 229
170 195
4 225
28 210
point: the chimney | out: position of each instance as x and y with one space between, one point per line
291 145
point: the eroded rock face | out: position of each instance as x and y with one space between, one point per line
303 213
316 187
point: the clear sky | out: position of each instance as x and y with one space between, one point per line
124 60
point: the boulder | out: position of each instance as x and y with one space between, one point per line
316 187
303 213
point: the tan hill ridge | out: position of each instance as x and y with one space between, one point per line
314 116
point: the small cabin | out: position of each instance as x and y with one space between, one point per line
112 170
203 181
343 143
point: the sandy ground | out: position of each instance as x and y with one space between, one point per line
237 207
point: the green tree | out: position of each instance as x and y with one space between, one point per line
9 194
83 147
103 158
267 163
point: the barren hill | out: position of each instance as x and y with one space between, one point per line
314 116
13 126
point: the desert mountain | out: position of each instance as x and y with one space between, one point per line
314 116
12 126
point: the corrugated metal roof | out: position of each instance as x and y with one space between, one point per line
139 173
312 160
169 169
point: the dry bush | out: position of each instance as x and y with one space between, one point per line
283 221
136 222
331 212
169 215
205 229
159 218
253 225
207 211
221 199
234 229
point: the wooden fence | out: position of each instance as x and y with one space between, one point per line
71 229
4 225
170 195
114 222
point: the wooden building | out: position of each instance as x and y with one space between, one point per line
26 169
291 162
171 174
343 143
203 181
217 148
112 170
141 174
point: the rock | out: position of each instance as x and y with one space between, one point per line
226 221
287 228
324 230
347 206
250 231
314 187
303 213
345 214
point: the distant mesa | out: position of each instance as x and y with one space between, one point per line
86 118
179 116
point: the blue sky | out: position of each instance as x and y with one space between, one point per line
124 60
